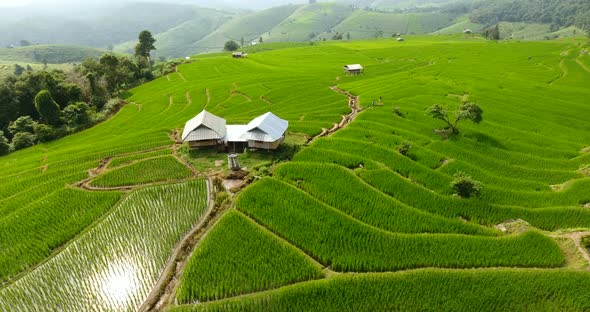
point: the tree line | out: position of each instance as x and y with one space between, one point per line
558 13
40 106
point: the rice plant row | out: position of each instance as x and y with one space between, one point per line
166 168
423 290
125 160
113 266
576 193
339 188
477 210
239 257
32 233
345 244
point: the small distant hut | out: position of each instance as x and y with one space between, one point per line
354 69
205 130
400 39
467 31
239 55
266 132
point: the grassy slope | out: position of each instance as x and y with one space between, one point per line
527 31
402 4
363 24
54 54
179 40
309 20
103 27
250 27
460 24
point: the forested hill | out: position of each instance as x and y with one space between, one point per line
558 13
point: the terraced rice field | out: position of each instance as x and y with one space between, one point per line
349 223
113 266
353 203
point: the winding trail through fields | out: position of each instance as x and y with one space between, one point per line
235 91
586 68
266 100
189 101
245 96
577 238
564 72
353 103
180 74
104 164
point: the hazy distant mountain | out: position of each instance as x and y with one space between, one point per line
184 27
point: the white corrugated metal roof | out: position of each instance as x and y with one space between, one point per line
205 126
202 133
354 67
235 132
266 128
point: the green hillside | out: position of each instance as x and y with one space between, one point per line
364 24
250 27
179 40
309 21
527 31
459 25
96 29
335 220
404 4
53 54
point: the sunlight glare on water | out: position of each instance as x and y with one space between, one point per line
119 284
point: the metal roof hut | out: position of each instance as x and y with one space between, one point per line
400 39
204 130
354 69
266 132
239 55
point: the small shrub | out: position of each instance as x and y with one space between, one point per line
222 199
263 171
398 111
76 114
22 124
45 133
465 186
231 46
23 140
404 147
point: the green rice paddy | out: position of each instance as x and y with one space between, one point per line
349 224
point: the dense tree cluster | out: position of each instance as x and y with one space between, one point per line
558 13
40 106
